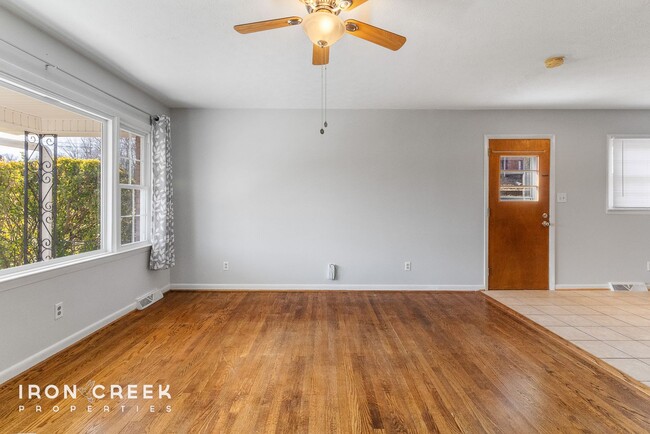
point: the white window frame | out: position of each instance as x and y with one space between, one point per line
145 189
609 205
106 244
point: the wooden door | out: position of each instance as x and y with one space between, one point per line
518 214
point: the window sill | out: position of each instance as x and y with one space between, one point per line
48 271
133 246
631 211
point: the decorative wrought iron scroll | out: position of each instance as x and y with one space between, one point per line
39 197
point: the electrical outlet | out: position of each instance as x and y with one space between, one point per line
647 266
562 198
226 266
407 266
58 310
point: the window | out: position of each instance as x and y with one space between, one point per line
519 179
133 191
629 173
50 180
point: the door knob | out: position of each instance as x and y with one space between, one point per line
545 215
546 224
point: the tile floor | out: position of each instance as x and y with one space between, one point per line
613 326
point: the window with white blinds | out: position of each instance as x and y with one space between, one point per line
629 173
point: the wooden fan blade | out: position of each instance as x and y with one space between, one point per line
321 55
355 3
375 35
261 26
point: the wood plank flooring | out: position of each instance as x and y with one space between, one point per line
320 362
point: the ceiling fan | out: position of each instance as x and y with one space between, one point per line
324 27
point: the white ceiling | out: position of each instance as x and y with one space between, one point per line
460 53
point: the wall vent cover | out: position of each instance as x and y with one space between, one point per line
148 299
628 286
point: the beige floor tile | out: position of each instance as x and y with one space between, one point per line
576 320
587 301
541 302
601 349
581 310
606 320
633 348
636 310
645 314
612 326
634 320
570 333
545 320
512 301
565 301
632 367
553 310
528 310
609 310
604 334
634 333
497 294
620 303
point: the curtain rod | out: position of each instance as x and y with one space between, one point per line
50 65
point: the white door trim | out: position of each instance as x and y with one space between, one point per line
551 199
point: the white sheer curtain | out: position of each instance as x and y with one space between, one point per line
162 236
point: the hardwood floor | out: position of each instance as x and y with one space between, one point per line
349 362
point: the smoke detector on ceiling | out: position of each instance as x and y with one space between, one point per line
554 62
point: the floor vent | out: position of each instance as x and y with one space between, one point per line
149 299
628 286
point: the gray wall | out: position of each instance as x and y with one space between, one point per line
97 291
266 192
93 294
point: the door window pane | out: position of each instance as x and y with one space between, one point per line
519 178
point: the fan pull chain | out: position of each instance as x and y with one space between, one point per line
323 106
325 124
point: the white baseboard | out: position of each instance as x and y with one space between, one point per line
37 358
166 288
294 287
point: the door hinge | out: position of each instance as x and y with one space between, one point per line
489 151
488 212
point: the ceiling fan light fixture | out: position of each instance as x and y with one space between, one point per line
323 27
